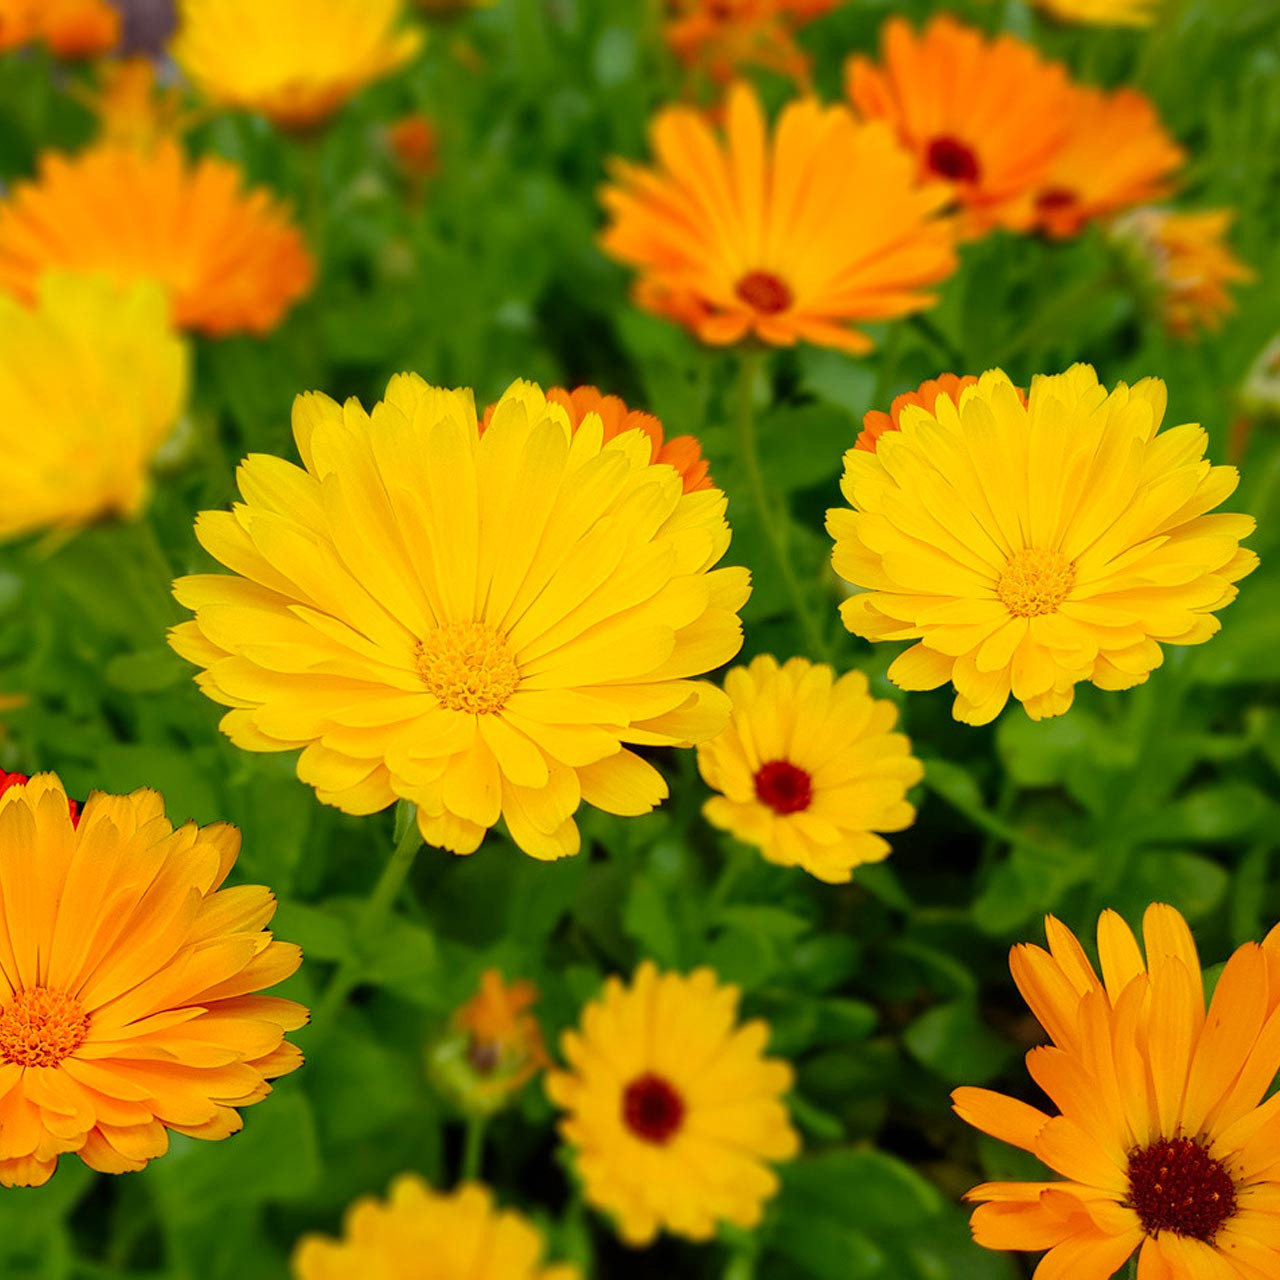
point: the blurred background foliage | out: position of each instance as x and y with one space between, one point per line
885 993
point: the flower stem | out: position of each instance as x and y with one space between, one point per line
771 524
473 1150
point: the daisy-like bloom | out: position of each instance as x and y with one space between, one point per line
875 422
774 238
294 61
684 453
672 1107
231 261
1184 261
1027 547
128 983
809 768
92 381
1117 154
986 116
1162 1135
474 622
421 1234
71 28
1102 13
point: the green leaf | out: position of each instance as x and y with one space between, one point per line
953 1041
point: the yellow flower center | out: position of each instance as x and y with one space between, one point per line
468 666
1035 582
40 1027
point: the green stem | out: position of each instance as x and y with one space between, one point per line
939 340
473 1151
771 525
376 910
1056 317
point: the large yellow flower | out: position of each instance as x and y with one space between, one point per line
809 768
1027 547
474 622
672 1106
1162 1137
92 380
128 981
421 1234
231 260
295 61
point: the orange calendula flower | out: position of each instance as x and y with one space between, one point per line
128 983
71 28
986 116
231 261
1185 263
875 422
1117 154
773 238
1162 1136
295 61
684 453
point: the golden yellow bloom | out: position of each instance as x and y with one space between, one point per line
1117 154
474 622
1162 1135
987 116
128 981
421 1234
1103 13
1185 262
231 261
295 61
808 769
1027 547
92 381
775 238
71 28
673 1108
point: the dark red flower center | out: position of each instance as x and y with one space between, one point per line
1055 199
783 786
652 1109
952 159
764 291
1176 1185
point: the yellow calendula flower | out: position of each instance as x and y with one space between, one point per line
294 61
1103 13
1026 547
672 1107
92 381
809 768
478 623
460 1235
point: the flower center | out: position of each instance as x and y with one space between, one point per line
783 786
764 291
468 666
952 159
40 1027
1035 582
652 1109
1176 1185
1055 199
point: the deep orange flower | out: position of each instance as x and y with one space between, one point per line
71 28
987 116
1117 154
232 261
775 238
416 146
875 422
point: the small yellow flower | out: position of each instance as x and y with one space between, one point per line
421 1233
1103 13
673 1109
1029 546
808 768
295 61
92 381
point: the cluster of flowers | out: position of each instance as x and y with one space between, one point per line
490 615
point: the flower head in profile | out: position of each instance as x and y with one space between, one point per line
984 115
1103 13
1028 547
294 61
480 623
1184 263
773 237
92 381
672 1108
809 768
129 981
1161 1136
231 262
1117 154
70 28
458 1235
